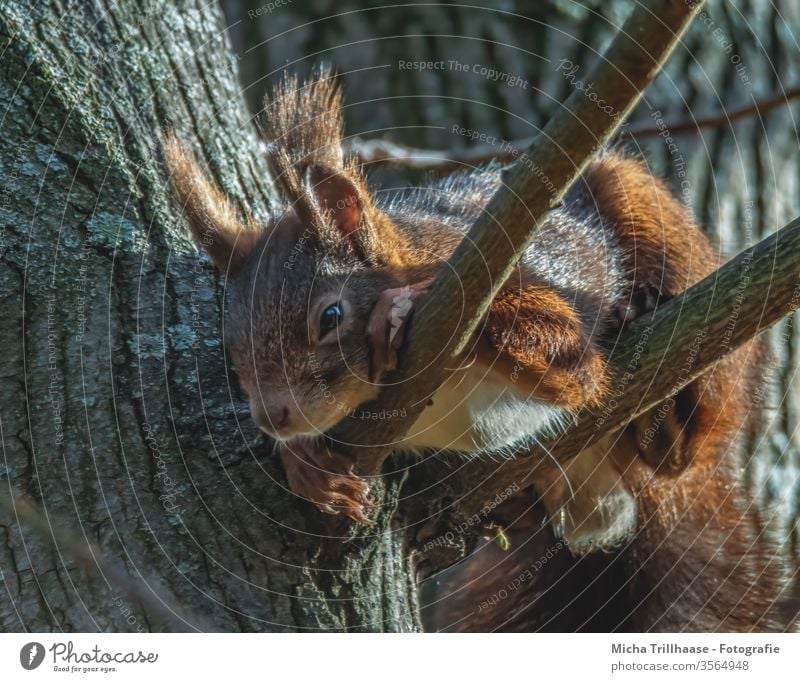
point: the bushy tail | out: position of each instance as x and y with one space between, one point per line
665 253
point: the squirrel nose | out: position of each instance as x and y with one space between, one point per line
269 418
279 417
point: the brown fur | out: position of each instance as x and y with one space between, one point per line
699 561
543 345
665 254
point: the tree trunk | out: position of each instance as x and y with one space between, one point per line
119 419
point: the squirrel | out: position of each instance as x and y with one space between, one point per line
319 299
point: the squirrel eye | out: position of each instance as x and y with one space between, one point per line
331 318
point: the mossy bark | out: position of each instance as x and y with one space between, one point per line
119 417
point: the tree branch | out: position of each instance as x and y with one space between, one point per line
652 359
486 257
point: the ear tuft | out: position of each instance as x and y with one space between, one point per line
215 225
304 127
305 120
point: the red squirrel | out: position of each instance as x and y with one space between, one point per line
318 300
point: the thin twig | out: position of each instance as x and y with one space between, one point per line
376 152
693 125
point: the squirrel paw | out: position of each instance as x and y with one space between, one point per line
325 478
387 324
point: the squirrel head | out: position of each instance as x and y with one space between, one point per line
300 289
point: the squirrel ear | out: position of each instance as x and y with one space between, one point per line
339 197
214 223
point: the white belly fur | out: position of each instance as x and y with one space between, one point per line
476 411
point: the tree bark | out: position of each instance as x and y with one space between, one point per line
119 420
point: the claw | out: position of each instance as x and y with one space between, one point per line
325 478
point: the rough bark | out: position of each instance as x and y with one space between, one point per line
118 418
